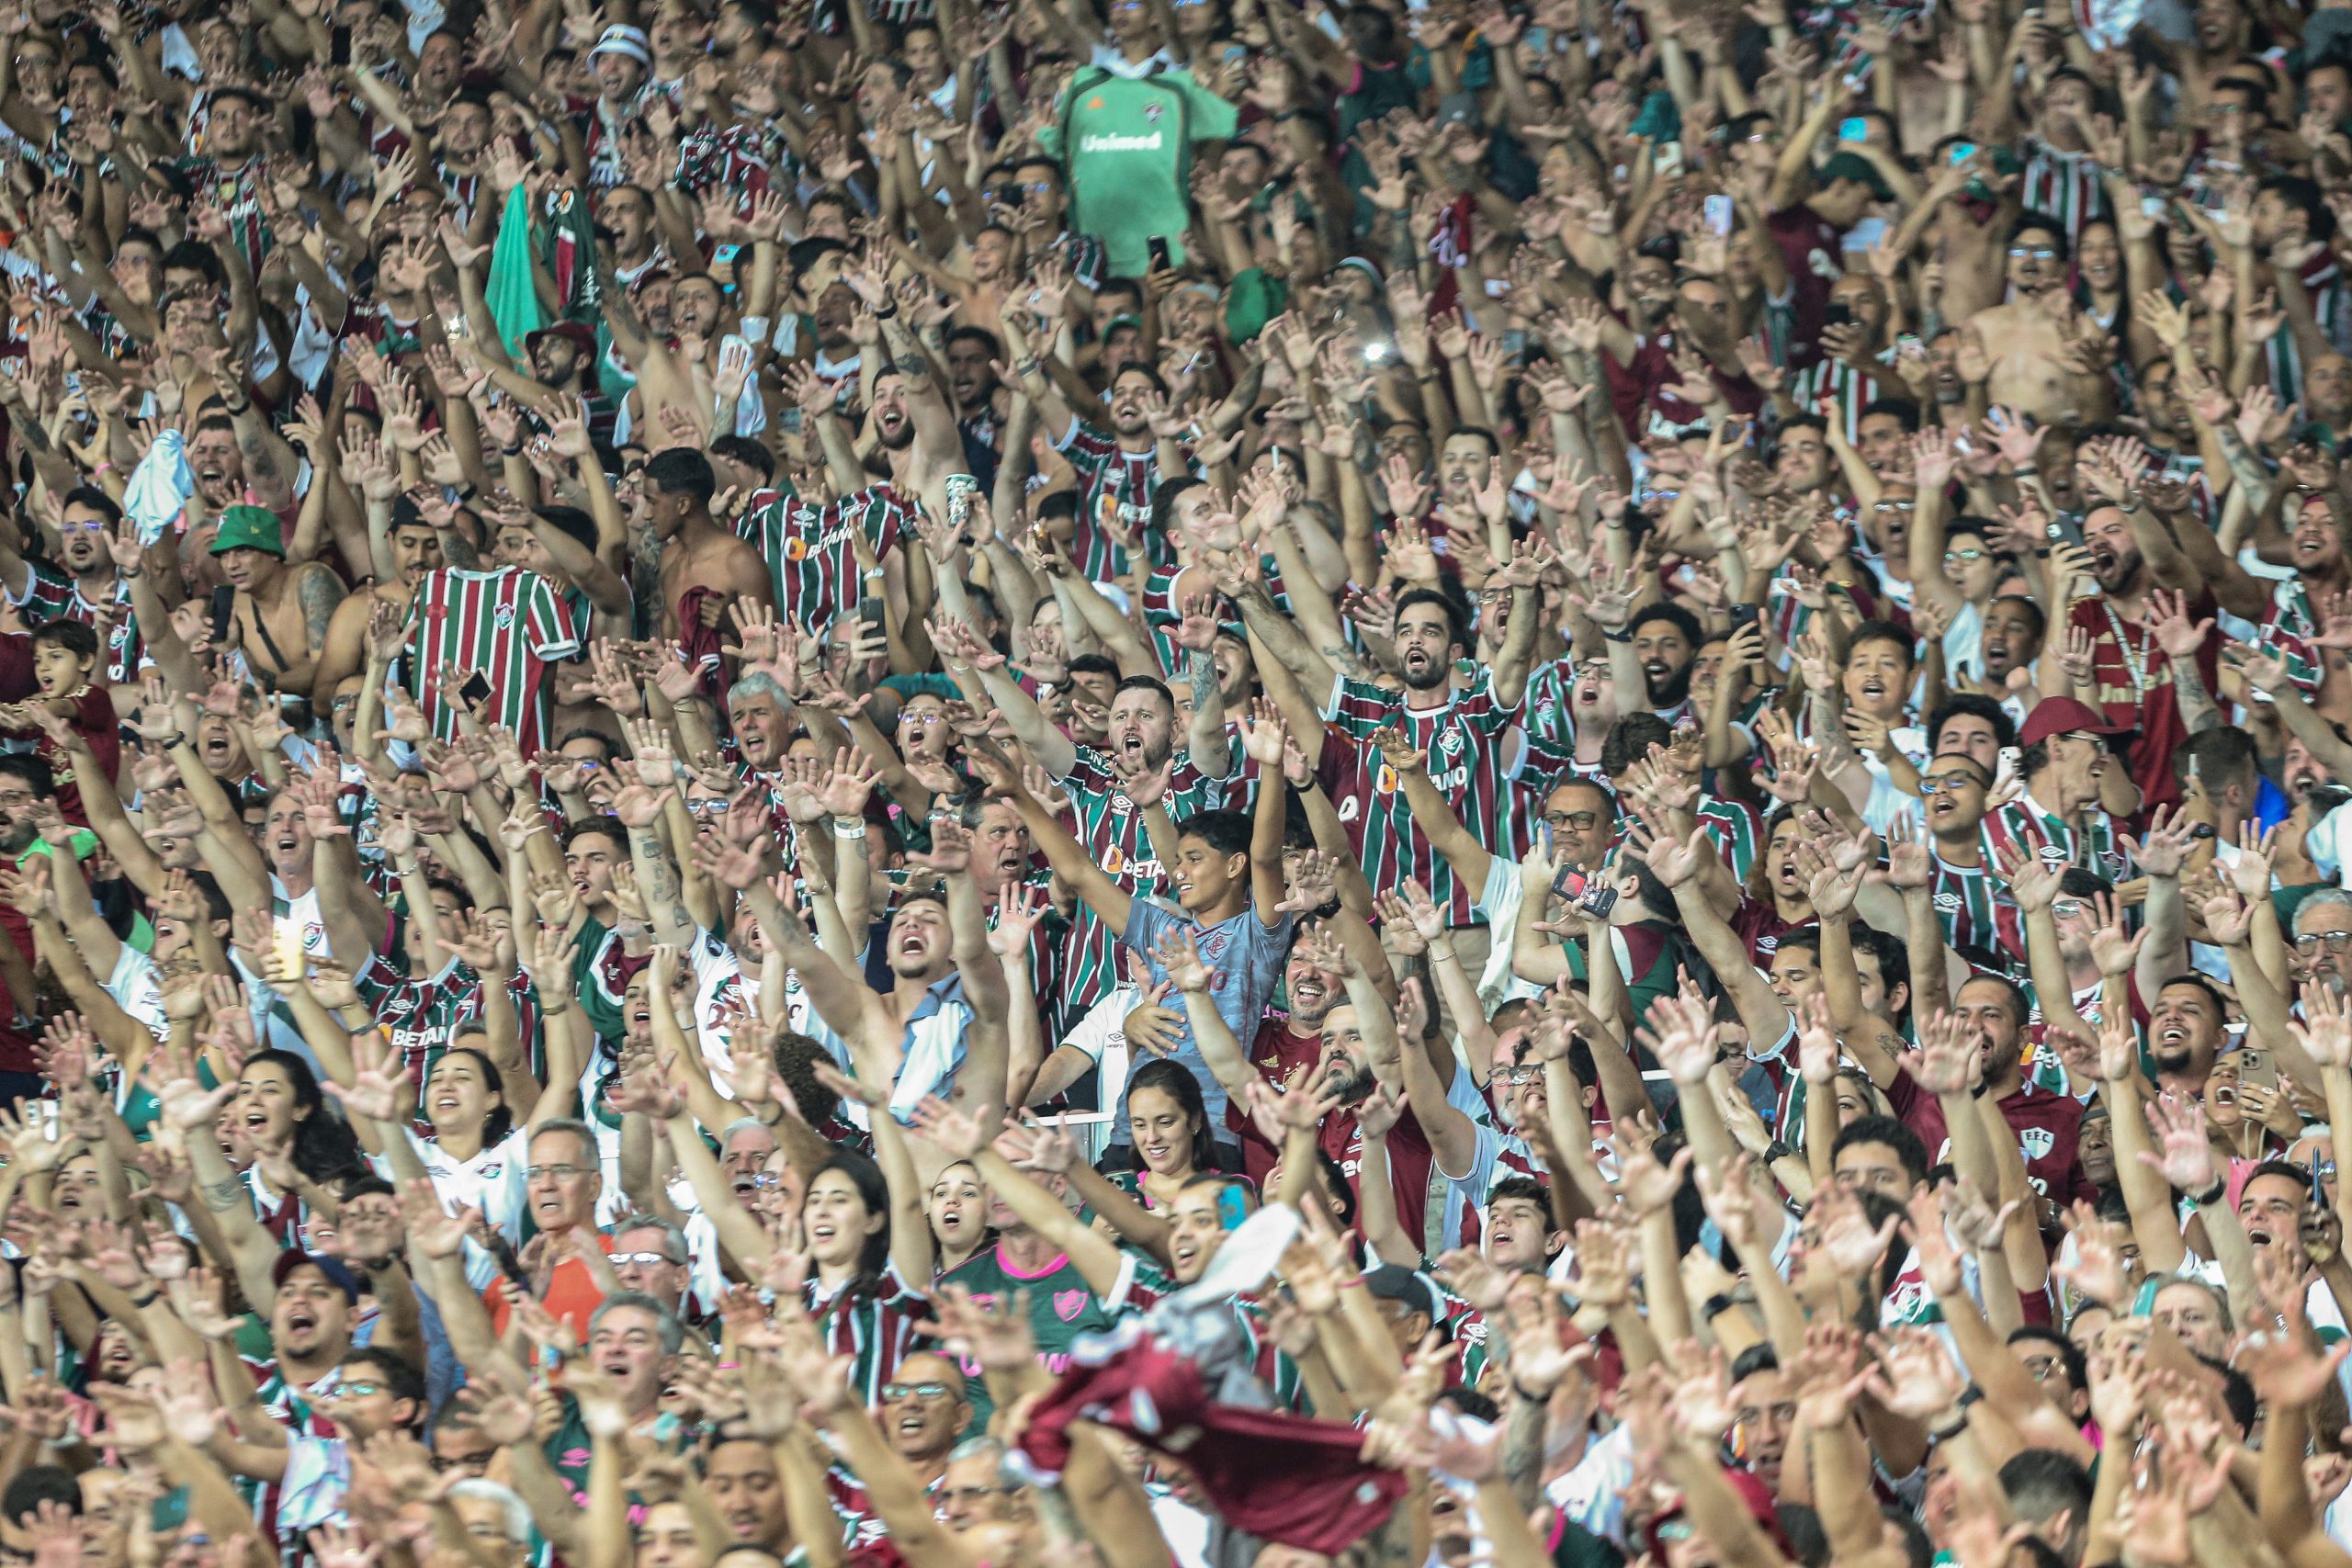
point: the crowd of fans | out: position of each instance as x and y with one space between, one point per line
1175 784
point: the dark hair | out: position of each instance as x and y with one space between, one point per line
1971 705
1152 683
1176 1081
325 1149
744 450
683 470
76 637
875 1192
95 500
2237 1393
39 776
2212 992
499 1120
1894 958
2019 1009
1494 447
401 1379
1684 622
2070 1355
38 1484
1414 598
1758 1357
2054 227
1908 1150
1225 832
1526 1188
1631 737
796 1056
2295 1173
2224 751
1903 411
1095 664
192 255
1885 631
610 827
2304 197
1163 500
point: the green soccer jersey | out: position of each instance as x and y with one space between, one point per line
1061 1308
1127 144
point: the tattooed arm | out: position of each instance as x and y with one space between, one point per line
1204 738
657 880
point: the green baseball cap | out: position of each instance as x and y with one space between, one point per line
251 529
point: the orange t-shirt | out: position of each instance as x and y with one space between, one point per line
572 1295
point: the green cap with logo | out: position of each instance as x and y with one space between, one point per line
250 528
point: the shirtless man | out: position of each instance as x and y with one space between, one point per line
416 550
695 551
905 404
282 613
2027 340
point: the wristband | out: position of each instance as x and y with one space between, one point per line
1777 1150
1714 1306
146 1301
858 831
1980 1089
1617 636
233 412
547 1012
886 312
1530 1398
513 451
466 491
1946 1434
2221 1189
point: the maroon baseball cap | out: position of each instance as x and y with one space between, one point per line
580 333
2064 715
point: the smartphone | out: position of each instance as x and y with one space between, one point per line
1961 152
960 489
1836 315
1158 246
1719 215
1667 162
1854 128
1590 895
475 691
2258 1068
224 599
288 942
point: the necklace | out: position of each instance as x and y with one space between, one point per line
2135 660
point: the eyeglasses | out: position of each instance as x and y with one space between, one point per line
1892 505
1575 821
641 1259
764 1181
969 1494
1517 1074
2038 1368
894 1391
554 1172
2336 941
1969 556
707 807
2034 253
923 718
358 1390
2065 908
1944 785
1037 188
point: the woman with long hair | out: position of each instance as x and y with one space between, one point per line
1167 1128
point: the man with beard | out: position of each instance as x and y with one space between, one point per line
705 568
1120 469
416 552
2323 935
2028 338
2132 676
1653 653
281 613
1470 737
88 584
913 426
1354 1052
1139 743
1993 1011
